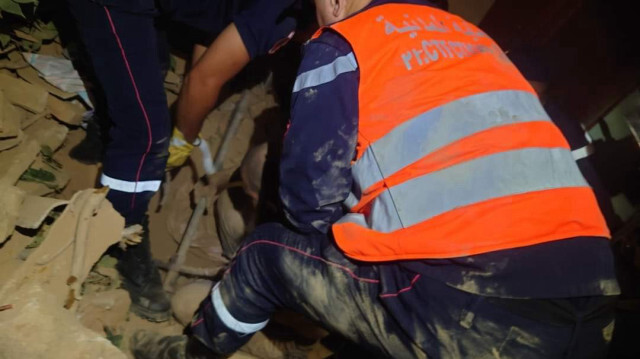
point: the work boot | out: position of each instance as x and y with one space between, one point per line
140 277
91 149
145 344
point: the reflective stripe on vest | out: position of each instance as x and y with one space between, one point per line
498 175
416 138
455 155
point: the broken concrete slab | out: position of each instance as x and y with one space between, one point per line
50 264
7 49
16 160
9 118
67 112
53 49
35 209
29 118
13 61
11 142
23 94
104 309
31 75
44 187
25 36
48 133
36 328
11 199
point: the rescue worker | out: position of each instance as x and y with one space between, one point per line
121 40
434 209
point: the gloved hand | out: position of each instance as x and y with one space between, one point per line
179 149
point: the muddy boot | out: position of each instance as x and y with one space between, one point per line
141 279
150 345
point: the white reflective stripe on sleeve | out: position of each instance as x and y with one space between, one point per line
129 186
326 73
228 320
583 152
207 160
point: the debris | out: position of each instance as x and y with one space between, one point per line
30 75
132 236
236 118
101 310
39 175
16 160
187 238
116 340
48 133
12 142
40 187
25 36
35 209
39 329
209 272
67 112
38 285
186 300
13 62
89 209
251 169
9 118
29 119
7 49
57 71
230 220
11 199
6 307
23 94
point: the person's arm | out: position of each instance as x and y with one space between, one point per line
226 56
315 168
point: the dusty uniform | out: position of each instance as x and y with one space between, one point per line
460 224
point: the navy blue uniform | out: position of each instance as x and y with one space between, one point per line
121 40
510 303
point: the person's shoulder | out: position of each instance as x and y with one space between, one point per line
329 41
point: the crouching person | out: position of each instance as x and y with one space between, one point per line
435 210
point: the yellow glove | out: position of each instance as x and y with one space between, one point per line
179 149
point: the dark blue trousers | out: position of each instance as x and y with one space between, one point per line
388 310
123 49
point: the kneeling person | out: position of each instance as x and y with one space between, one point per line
434 208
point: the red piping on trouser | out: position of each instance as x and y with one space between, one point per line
144 110
339 266
405 289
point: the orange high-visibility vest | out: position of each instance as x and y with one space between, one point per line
455 154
